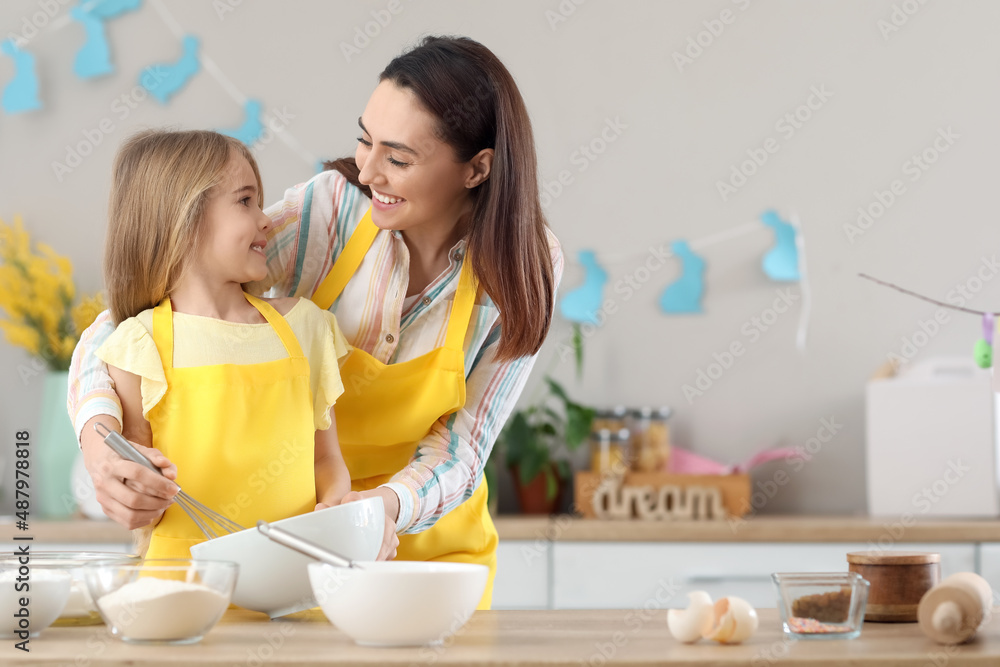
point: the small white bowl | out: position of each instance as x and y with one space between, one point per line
399 603
46 594
161 600
273 579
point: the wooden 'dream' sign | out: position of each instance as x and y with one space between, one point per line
658 496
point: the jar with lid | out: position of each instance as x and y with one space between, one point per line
650 439
609 451
613 419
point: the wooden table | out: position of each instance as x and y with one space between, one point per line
550 638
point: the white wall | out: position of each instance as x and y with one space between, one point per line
656 182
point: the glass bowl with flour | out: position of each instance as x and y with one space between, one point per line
79 608
161 601
31 597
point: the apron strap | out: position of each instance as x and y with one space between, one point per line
279 324
347 263
163 332
353 254
461 307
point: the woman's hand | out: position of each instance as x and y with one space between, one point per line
130 494
389 538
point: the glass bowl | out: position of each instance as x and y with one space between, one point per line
79 609
821 605
31 596
161 601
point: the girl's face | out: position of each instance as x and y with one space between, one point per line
234 228
416 180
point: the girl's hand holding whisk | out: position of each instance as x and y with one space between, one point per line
130 494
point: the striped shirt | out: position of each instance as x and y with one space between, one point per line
312 224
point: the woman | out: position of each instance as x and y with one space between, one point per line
444 283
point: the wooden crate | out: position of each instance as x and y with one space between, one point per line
659 496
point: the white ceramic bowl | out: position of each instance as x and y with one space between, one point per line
273 579
48 590
161 600
399 603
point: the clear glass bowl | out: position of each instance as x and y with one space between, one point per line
79 609
821 605
161 601
44 588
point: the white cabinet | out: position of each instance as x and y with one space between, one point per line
989 567
522 580
648 575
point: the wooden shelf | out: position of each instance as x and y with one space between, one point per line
570 529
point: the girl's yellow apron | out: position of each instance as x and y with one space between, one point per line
241 435
387 409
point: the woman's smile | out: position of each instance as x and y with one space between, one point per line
385 202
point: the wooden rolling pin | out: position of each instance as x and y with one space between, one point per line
952 611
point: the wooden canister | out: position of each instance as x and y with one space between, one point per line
899 579
952 611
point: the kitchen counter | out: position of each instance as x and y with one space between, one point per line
526 638
569 529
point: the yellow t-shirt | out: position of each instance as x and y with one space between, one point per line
203 341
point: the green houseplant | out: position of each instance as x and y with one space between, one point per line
537 440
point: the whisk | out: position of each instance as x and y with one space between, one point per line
209 522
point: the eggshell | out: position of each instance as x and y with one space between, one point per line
734 620
689 625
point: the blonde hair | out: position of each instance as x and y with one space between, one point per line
160 186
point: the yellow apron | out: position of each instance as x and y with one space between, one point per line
241 435
387 409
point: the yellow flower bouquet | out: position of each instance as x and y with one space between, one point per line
37 296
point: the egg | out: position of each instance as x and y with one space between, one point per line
688 625
733 620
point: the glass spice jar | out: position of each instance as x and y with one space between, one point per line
650 439
609 451
613 419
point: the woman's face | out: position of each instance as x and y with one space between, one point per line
416 179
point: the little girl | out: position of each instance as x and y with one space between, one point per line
236 392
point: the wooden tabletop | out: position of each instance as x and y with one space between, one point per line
526 638
570 529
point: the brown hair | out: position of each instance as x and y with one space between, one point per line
479 106
160 185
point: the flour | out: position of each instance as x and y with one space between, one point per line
48 590
151 609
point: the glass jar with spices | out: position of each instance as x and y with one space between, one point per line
612 419
609 451
650 439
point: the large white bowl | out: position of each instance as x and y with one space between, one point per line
273 579
399 603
